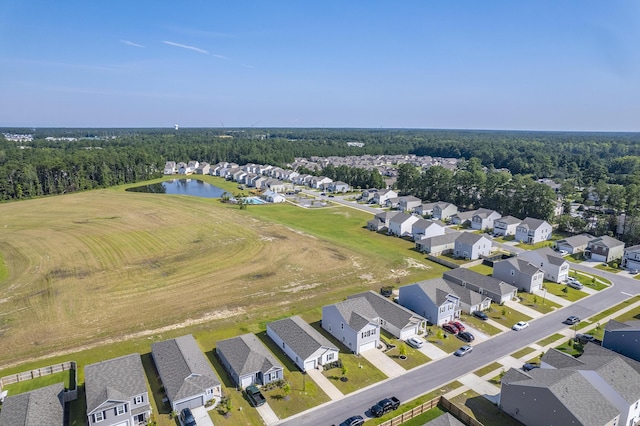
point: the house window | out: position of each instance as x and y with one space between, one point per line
341 326
363 334
137 399
329 357
513 272
329 327
209 391
98 417
283 342
121 409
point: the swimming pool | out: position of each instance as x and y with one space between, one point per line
254 200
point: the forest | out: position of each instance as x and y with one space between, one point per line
60 160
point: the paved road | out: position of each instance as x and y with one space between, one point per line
440 372
339 199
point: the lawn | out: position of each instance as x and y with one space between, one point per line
488 369
523 352
479 325
571 294
443 339
482 269
631 315
570 347
67 377
594 281
424 417
596 318
537 302
483 410
497 379
360 373
415 358
505 316
548 340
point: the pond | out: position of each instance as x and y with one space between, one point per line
190 187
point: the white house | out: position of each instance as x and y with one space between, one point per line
604 249
170 168
303 344
400 224
575 244
444 211
273 197
354 323
631 258
554 266
423 228
383 195
484 218
381 220
533 231
472 246
506 225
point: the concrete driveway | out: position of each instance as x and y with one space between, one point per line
383 363
267 414
325 384
201 416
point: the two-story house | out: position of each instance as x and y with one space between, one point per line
400 224
623 338
39 407
440 244
484 219
423 228
409 203
497 290
383 195
381 220
519 273
553 265
506 225
431 300
354 323
575 244
631 258
170 168
533 231
116 392
471 246
604 249
444 211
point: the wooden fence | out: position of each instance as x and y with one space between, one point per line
438 401
69 394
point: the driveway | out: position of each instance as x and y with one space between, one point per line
267 414
201 416
325 384
383 363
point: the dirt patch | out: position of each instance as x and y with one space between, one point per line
412 263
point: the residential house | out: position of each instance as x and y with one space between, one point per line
39 407
444 211
275 185
338 186
441 301
203 169
383 195
392 202
506 225
367 195
497 290
425 209
604 249
273 197
574 245
186 374
631 258
472 246
440 244
248 361
484 219
598 388
553 265
116 392
408 203
170 168
192 166
533 231
182 168
318 182
303 344
401 224
423 228
354 323
463 218
381 220
623 338
394 318
257 181
519 273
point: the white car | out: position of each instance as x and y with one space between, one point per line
520 325
415 342
563 252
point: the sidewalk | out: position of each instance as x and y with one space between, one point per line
383 363
267 414
432 351
553 298
524 309
325 384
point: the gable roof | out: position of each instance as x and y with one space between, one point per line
408 199
509 220
632 249
439 240
576 240
485 213
532 223
438 289
571 389
426 224
387 215
39 407
402 218
521 265
445 419
357 312
246 355
613 325
391 312
118 379
544 254
486 282
463 216
468 238
443 205
183 367
606 241
303 339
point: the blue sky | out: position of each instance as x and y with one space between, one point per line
536 65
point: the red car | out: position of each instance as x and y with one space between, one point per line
451 328
458 325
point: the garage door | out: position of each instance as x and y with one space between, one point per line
404 334
125 423
246 381
367 346
191 403
310 365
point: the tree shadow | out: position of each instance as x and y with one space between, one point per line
153 377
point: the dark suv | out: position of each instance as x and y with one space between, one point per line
186 417
481 315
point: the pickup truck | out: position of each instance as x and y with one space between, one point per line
255 396
384 406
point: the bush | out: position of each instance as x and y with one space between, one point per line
332 365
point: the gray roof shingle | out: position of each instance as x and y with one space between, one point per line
469 239
246 355
183 367
444 420
509 220
437 289
303 339
397 315
531 223
486 282
357 312
39 407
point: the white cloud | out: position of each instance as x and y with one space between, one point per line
220 57
184 46
130 43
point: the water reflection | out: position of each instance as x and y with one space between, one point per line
189 187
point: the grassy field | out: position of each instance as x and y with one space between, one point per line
522 352
65 377
537 302
548 340
488 369
505 316
483 410
557 289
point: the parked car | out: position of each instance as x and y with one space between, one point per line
186 417
575 284
353 421
458 325
463 350
480 315
584 338
563 252
529 366
385 406
450 328
465 336
634 271
521 325
255 396
415 342
572 320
